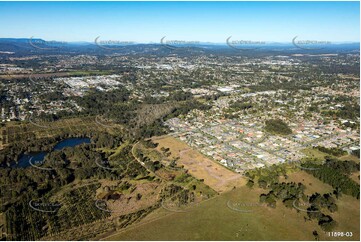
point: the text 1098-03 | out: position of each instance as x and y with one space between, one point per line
339 234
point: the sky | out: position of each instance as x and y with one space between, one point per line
145 22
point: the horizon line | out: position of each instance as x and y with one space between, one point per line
129 42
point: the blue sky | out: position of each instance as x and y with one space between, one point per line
191 21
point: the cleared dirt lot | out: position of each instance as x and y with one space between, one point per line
215 175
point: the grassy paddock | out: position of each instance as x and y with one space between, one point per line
214 220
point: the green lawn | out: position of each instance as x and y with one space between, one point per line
315 154
214 220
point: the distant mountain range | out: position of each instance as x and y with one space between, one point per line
25 46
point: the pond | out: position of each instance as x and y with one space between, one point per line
38 157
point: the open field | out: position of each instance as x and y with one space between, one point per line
314 153
215 175
312 184
214 220
350 157
348 216
356 177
